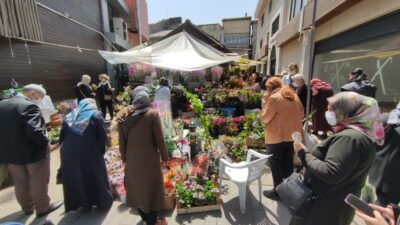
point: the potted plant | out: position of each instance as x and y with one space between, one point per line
198 195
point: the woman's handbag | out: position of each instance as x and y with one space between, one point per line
294 193
108 97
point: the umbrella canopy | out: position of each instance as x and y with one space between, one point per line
180 52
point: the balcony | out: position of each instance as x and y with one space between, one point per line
120 8
289 31
118 40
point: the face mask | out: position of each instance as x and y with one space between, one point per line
37 102
331 118
292 72
295 85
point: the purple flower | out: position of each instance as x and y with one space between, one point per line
187 183
192 187
254 124
214 190
200 187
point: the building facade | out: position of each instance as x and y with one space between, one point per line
214 30
268 13
237 35
162 28
254 25
138 24
348 34
59 42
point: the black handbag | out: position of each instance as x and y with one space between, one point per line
294 193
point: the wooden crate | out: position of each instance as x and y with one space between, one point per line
206 208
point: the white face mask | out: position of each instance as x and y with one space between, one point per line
37 102
292 72
295 84
331 118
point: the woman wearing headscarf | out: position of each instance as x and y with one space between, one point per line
386 168
104 94
83 169
359 83
282 113
339 165
162 100
83 89
320 92
142 147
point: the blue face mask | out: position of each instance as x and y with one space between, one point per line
331 118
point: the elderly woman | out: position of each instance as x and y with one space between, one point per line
320 92
83 169
83 89
340 164
142 147
282 113
301 89
104 94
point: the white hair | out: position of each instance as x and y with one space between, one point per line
86 79
299 77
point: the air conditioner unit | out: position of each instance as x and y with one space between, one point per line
120 28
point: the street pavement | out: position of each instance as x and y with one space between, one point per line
266 212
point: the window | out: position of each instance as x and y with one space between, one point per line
295 8
261 43
273 61
275 26
243 40
262 20
19 19
374 56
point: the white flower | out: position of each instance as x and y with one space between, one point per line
194 195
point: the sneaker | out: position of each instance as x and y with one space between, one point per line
53 207
272 194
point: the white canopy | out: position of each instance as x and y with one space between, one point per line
179 52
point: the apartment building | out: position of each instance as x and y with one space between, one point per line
214 30
268 14
348 34
54 42
237 35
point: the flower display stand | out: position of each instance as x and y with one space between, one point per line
198 209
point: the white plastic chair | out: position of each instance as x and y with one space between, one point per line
243 173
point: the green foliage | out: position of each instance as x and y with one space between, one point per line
197 192
236 147
205 122
54 134
253 127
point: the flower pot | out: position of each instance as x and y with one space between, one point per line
197 209
169 201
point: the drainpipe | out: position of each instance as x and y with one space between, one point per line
311 60
106 28
138 20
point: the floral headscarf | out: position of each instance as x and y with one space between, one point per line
78 120
360 113
394 116
317 84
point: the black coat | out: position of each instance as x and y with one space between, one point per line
83 91
362 87
342 161
22 132
103 89
302 93
385 172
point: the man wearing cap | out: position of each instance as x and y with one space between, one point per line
24 147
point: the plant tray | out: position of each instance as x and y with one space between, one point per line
198 209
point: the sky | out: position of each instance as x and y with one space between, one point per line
199 11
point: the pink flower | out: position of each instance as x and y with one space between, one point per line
187 183
199 187
214 190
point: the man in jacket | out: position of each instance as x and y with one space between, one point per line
359 83
25 149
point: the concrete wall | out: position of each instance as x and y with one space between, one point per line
291 52
236 27
356 15
214 30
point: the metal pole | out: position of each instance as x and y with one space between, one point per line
311 62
